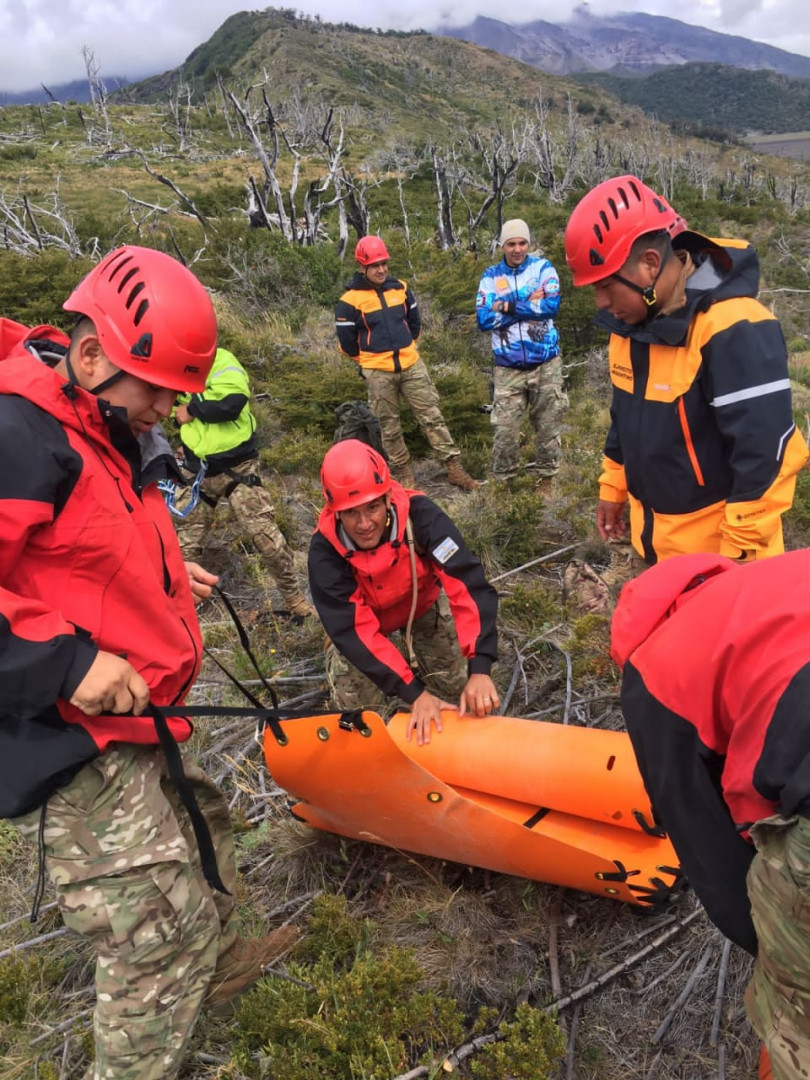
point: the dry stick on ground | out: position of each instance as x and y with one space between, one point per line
458 1055
721 987
684 995
13 922
34 941
575 1018
536 562
63 1026
619 969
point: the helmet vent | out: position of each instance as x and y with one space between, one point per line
127 277
118 263
143 307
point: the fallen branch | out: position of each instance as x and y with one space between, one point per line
721 987
684 995
34 941
535 562
619 969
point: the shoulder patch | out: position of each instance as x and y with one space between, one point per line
445 550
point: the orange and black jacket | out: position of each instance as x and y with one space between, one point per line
702 439
378 327
362 597
716 698
89 561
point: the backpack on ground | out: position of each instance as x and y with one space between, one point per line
355 420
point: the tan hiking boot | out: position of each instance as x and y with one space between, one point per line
298 605
245 961
403 474
458 475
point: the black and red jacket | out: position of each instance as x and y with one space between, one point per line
716 698
364 596
89 561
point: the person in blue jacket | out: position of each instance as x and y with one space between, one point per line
517 301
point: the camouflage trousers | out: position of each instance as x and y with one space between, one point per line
121 852
541 391
441 665
254 511
778 996
386 388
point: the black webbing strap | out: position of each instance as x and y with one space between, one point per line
202 833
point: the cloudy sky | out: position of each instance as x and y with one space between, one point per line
41 40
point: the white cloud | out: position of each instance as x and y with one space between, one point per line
41 40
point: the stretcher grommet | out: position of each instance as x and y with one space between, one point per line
434 796
611 892
323 734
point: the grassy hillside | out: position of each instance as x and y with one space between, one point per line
711 99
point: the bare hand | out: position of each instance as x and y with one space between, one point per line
111 685
182 415
610 519
426 709
479 697
201 581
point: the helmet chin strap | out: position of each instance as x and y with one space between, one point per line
647 293
101 387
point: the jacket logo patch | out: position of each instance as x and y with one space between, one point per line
445 550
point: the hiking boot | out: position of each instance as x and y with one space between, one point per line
298 605
403 474
245 961
458 475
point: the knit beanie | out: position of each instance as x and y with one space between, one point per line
514 229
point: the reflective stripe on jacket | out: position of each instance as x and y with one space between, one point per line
378 327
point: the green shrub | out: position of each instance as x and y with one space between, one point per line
531 1047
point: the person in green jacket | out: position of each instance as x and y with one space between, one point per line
218 428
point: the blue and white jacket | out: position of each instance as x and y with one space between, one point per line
524 335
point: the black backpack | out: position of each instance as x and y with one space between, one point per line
355 420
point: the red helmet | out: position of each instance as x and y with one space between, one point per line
371 249
604 225
153 317
353 473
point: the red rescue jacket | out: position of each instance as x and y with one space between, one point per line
716 696
88 561
363 596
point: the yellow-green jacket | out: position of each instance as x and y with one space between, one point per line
222 429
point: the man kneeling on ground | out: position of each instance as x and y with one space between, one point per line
382 560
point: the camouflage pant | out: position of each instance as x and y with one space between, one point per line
441 665
253 509
778 996
385 388
541 390
121 853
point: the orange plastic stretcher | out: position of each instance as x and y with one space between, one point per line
555 803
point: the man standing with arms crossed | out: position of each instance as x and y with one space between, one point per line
517 302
